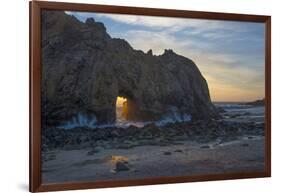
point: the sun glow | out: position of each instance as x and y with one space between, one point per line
118 158
121 108
120 101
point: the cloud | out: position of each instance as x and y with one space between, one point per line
172 24
145 40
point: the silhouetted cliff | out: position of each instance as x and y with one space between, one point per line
84 70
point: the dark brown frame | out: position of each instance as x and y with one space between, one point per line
35 96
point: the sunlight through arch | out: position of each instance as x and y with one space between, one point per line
121 108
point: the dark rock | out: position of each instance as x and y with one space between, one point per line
220 109
121 166
149 52
205 147
92 152
51 157
256 103
203 132
167 153
84 70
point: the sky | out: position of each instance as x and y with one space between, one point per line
230 55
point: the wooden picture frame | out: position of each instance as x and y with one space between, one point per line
36 8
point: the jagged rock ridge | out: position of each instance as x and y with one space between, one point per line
84 70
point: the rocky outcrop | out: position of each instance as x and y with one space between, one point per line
84 70
260 102
124 138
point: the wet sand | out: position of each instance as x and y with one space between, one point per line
183 159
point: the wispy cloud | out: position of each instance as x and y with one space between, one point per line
171 24
145 40
174 24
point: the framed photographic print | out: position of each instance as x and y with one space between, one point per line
123 96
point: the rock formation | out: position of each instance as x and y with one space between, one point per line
259 102
84 70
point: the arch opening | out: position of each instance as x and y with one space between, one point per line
126 111
121 109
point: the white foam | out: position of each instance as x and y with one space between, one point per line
82 120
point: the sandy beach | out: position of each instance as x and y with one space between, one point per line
185 158
232 144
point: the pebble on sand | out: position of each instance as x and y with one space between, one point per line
121 166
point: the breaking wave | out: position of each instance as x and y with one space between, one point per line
82 120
